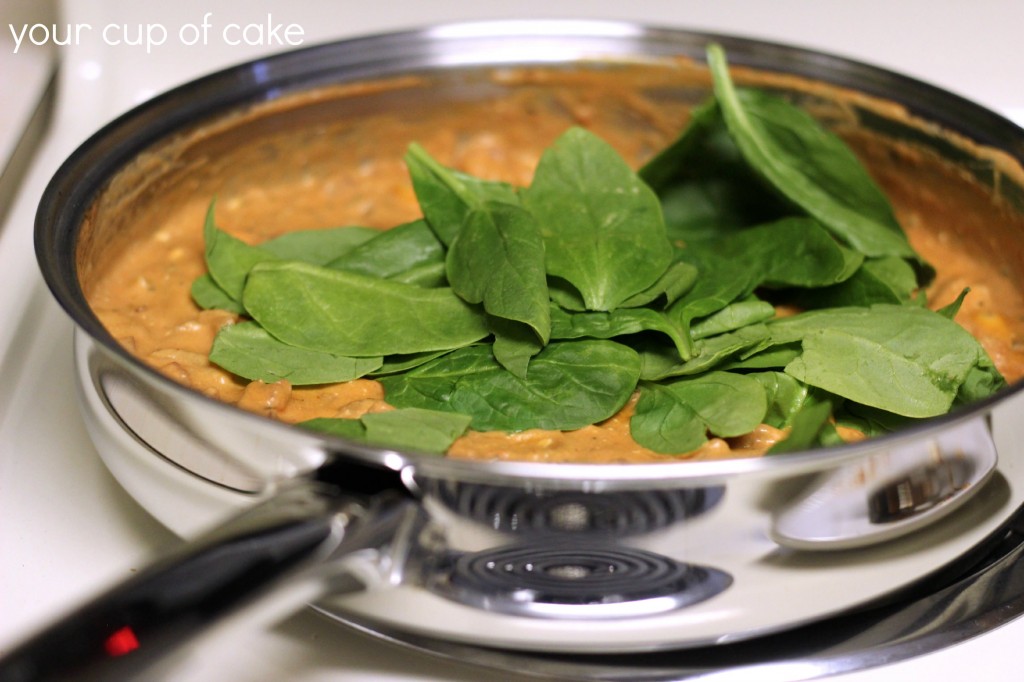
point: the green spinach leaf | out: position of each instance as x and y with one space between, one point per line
785 395
228 258
808 165
953 308
663 423
497 259
677 280
791 252
621 322
714 351
878 280
514 345
706 187
569 385
903 359
749 311
808 426
247 350
730 404
870 421
982 380
208 295
867 371
346 313
394 364
773 357
446 195
412 429
392 253
720 281
319 247
428 275
602 226
673 418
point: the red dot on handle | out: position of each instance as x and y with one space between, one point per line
122 642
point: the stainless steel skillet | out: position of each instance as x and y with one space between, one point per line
439 527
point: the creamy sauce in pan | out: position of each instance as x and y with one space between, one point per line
143 296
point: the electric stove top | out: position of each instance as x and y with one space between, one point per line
67 529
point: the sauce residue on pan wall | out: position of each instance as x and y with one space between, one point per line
338 161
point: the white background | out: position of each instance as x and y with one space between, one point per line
66 528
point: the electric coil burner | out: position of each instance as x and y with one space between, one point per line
570 575
575 581
513 510
981 592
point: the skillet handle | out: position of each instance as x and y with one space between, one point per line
125 630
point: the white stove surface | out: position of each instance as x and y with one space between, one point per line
67 529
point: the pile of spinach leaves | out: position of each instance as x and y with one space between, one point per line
547 306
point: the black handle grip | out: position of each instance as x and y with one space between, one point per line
130 627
